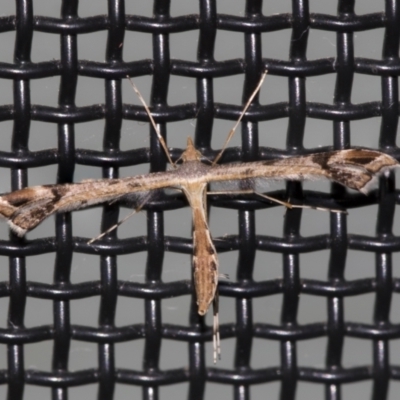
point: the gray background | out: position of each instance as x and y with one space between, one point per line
222 222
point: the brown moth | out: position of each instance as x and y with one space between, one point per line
354 168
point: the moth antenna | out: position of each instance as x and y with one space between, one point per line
158 133
115 226
232 131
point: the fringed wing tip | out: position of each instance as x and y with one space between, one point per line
17 229
359 169
381 165
373 181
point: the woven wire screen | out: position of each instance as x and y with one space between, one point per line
351 347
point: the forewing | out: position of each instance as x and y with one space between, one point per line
25 209
356 169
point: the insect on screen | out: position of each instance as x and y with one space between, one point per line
308 308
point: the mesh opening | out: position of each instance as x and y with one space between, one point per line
310 310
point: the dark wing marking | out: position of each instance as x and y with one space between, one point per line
358 169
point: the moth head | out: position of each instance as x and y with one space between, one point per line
190 154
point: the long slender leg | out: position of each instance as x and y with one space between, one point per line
287 204
115 226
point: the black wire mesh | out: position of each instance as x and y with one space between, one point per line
289 333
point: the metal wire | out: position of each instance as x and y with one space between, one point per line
333 376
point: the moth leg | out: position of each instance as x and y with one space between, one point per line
115 200
216 334
290 205
115 226
286 204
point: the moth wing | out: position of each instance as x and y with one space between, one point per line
25 209
359 169
354 168
30 215
353 177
